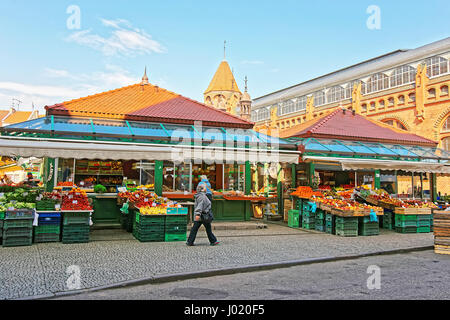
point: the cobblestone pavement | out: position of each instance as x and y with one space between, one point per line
41 268
407 276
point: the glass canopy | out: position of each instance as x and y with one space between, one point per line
105 129
356 149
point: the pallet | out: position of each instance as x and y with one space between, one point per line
442 249
412 211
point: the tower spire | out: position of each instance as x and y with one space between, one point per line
224 49
245 80
144 78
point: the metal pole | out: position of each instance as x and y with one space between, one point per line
190 177
73 172
421 185
55 173
356 179
412 181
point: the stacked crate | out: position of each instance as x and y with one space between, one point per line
75 227
175 226
18 228
330 223
441 231
293 219
46 205
308 217
320 220
49 227
412 223
347 226
367 227
389 219
149 228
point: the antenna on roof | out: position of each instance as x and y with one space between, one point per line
16 103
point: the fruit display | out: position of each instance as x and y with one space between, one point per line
303 192
148 202
347 205
75 200
65 184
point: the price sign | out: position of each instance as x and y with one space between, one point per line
25 194
75 201
153 204
11 209
137 196
2 194
81 183
145 200
70 196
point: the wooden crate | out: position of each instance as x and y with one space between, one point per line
442 249
412 210
386 205
371 200
344 213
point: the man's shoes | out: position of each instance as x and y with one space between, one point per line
189 244
215 243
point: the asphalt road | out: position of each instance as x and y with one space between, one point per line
417 275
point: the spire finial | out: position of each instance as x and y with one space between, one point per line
144 78
245 80
224 49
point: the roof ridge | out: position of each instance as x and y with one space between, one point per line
323 121
92 96
212 108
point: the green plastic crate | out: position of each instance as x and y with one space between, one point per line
17 241
149 238
320 214
46 237
17 232
421 217
293 219
406 217
175 237
2 215
309 226
308 220
347 233
47 229
404 224
12 224
423 229
320 228
76 220
406 229
346 219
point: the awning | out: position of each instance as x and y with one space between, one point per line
372 164
103 150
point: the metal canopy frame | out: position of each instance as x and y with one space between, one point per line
134 131
412 153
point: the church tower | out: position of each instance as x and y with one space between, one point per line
245 104
223 92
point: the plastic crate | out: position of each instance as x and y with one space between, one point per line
173 219
47 229
10 224
2 215
17 241
183 210
149 238
76 220
309 226
175 237
329 217
422 217
406 229
405 217
320 214
46 237
347 233
320 228
423 229
346 219
17 232
175 228
1 224
407 223
19 214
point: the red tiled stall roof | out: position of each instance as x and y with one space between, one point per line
146 103
345 125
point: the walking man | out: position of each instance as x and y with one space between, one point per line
207 185
202 215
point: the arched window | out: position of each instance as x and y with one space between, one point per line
391 102
412 97
319 98
364 107
377 82
403 75
432 93
401 99
444 91
436 66
335 94
372 106
446 143
395 123
381 104
446 126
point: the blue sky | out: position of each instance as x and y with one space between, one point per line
275 43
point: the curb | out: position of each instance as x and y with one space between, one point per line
226 271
